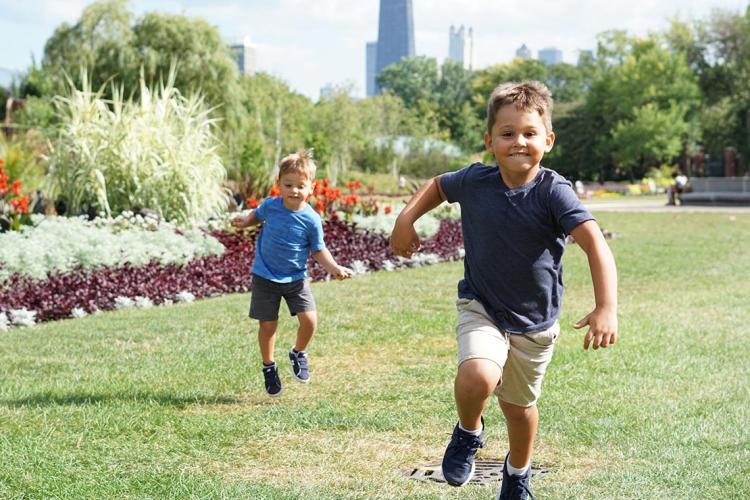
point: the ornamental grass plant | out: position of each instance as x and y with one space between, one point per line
158 153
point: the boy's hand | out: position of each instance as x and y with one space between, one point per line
240 222
341 272
602 325
404 240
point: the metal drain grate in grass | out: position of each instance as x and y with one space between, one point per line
486 472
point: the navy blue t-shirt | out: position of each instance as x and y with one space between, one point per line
514 241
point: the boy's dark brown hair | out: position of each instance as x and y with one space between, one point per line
300 162
528 95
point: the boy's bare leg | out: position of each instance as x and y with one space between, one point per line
522 423
267 339
475 381
308 321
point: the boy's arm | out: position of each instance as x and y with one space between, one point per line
404 239
602 321
245 221
325 259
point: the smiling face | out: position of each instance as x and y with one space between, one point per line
294 188
519 139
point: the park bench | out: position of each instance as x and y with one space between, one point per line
717 191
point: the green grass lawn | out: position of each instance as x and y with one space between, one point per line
169 402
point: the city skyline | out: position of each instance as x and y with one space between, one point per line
311 44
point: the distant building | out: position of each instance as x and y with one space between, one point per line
243 53
327 91
550 56
395 34
585 56
461 46
372 59
523 52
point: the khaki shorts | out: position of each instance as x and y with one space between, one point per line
522 358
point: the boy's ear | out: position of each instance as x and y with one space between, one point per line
487 141
549 142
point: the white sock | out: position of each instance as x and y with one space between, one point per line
475 432
513 471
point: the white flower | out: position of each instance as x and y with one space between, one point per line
4 324
185 297
461 253
388 265
143 302
22 317
78 312
167 302
123 302
359 268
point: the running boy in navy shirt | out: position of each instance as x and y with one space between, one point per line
515 217
291 230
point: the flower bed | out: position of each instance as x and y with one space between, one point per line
73 293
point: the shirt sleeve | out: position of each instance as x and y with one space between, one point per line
315 235
260 212
567 209
451 183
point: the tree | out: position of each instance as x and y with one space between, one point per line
637 82
101 41
650 137
275 121
455 113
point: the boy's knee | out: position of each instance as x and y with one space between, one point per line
478 375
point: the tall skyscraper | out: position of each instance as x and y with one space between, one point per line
523 52
372 59
461 46
550 56
243 53
395 34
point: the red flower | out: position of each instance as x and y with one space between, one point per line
252 202
387 209
20 205
16 188
320 207
274 193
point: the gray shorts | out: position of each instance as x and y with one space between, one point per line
265 298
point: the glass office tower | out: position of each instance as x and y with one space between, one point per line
395 33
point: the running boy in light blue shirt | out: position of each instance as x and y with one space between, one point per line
291 231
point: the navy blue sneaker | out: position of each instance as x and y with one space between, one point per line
299 366
272 381
458 461
515 487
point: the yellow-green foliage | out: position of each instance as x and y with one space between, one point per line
158 153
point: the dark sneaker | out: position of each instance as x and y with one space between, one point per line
458 461
515 487
273 383
299 366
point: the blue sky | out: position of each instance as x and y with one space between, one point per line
311 43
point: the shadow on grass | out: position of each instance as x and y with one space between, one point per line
164 399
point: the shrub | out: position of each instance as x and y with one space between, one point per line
80 291
60 245
159 153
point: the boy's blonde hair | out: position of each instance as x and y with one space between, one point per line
528 95
300 162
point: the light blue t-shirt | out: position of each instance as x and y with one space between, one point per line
514 241
286 240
